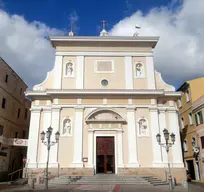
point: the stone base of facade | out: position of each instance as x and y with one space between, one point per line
178 173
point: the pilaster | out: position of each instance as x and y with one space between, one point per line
58 72
43 148
156 148
128 72
162 125
33 138
150 72
80 72
78 137
120 149
55 124
176 148
132 138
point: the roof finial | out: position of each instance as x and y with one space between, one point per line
137 31
71 33
103 32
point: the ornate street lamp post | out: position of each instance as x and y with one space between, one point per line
167 145
48 143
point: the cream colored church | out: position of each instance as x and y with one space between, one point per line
108 103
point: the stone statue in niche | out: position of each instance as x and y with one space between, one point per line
139 72
69 69
67 128
143 127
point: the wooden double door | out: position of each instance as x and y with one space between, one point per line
105 155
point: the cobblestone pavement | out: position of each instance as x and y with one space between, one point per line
109 188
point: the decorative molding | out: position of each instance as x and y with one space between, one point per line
105 129
170 87
95 53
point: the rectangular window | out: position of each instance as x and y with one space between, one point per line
6 78
1 130
185 146
202 142
24 134
19 112
200 115
179 103
3 105
26 114
190 118
182 122
187 96
16 135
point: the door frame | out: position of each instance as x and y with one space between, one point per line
115 150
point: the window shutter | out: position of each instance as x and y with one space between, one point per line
201 117
196 119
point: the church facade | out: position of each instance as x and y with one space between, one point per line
108 103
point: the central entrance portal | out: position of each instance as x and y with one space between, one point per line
105 155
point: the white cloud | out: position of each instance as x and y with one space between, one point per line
25 48
179 55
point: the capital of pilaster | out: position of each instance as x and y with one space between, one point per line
162 109
36 110
56 108
153 109
172 110
47 109
131 108
79 108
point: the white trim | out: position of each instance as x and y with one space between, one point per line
129 101
105 129
170 87
150 73
132 139
153 39
58 72
80 72
102 109
128 72
105 101
96 53
96 64
115 148
143 76
39 86
79 101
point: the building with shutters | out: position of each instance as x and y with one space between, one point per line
189 119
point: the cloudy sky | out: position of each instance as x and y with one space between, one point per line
25 25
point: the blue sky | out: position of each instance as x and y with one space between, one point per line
56 13
24 24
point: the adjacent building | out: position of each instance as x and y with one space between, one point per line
198 111
191 91
14 120
108 103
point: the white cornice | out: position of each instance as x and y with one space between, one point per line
105 38
103 53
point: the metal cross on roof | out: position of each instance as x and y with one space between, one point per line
103 23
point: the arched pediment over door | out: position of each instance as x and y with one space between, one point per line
105 116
